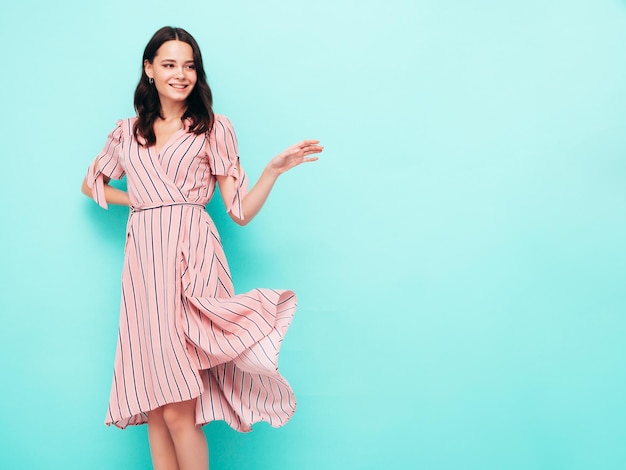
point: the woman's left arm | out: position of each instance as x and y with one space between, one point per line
284 161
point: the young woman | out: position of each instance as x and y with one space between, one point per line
189 350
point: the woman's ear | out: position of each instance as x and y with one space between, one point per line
147 68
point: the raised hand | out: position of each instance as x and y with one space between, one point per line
294 156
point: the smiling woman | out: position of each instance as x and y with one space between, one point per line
173 77
189 350
173 74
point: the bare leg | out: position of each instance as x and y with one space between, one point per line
191 447
161 444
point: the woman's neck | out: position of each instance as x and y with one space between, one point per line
172 111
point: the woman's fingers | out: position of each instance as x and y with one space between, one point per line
296 155
308 147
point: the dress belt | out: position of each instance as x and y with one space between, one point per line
166 204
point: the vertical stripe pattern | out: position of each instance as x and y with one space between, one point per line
183 332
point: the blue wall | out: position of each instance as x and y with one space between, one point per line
459 252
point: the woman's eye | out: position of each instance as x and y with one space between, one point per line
191 67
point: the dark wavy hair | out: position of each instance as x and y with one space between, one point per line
147 104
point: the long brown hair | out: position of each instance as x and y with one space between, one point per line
147 104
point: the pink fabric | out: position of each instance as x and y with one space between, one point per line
183 332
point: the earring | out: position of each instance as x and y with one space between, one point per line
151 80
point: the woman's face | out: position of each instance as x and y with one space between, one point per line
173 71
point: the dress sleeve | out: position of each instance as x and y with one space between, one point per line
106 164
223 155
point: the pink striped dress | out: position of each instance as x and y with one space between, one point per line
183 332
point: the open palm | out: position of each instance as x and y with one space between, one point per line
295 155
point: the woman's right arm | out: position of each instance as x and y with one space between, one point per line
111 194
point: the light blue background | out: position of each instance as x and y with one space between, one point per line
459 252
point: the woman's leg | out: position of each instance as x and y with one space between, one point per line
161 444
191 447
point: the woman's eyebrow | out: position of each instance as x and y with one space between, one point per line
190 61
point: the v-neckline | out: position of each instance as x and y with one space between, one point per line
167 142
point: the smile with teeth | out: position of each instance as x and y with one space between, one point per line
178 86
